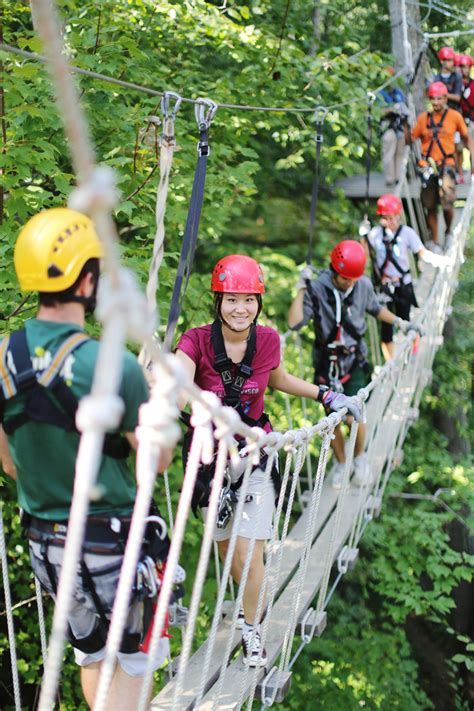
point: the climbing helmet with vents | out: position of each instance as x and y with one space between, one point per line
237 274
348 259
52 248
389 204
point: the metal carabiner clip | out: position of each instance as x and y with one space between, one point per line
204 112
320 114
166 104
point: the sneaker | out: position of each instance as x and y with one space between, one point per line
240 620
362 474
254 654
338 475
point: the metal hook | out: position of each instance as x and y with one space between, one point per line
371 97
320 114
204 112
166 103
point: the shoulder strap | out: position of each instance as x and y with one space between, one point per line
67 347
223 364
6 378
390 256
435 127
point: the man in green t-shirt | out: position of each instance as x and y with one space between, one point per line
57 254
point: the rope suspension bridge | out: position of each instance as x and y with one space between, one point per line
317 529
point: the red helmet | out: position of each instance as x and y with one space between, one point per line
437 88
389 205
237 274
457 59
446 53
465 59
348 259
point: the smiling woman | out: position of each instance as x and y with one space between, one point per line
237 359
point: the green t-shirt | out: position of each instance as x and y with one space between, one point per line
45 455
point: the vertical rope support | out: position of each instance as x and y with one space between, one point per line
9 613
202 566
121 309
41 620
201 448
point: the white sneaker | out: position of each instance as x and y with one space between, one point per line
362 474
240 620
337 476
254 653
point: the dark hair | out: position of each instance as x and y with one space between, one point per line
50 298
218 296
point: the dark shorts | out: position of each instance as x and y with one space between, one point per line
434 194
359 379
403 298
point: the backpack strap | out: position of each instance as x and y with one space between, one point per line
48 376
435 127
6 378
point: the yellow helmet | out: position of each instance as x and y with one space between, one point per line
52 248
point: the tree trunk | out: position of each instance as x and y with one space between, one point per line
316 19
413 30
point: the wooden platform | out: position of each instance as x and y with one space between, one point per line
354 187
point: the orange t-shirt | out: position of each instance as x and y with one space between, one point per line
453 121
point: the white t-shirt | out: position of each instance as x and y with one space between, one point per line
407 239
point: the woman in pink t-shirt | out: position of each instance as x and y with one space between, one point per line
237 359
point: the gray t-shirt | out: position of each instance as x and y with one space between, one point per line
322 307
407 239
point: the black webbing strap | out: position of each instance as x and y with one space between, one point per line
188 247
435 127
389 256
223 364
320 116
411 80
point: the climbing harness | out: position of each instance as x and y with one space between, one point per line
328 352
205 111
320 115
48 400
233 377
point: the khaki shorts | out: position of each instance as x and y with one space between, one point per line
257 514
434 195
82 616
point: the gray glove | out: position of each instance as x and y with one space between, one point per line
338 401
306 274
406 326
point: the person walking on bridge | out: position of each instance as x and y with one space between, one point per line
45 368
436 130
237 359
337 302
388 246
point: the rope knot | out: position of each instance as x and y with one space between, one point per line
99 413
97 193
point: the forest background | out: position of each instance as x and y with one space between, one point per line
401 626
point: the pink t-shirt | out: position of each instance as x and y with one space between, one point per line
197 345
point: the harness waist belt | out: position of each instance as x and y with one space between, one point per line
99 529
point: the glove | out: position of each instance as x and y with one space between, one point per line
338 401
406 326
305 275
436 260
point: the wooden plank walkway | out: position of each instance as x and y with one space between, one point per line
354 187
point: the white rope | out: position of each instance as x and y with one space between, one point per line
9 614
41 620
202 449
167 148
123 312
157 430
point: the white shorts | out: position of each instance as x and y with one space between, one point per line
257 515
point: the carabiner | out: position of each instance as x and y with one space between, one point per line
204 112
165 104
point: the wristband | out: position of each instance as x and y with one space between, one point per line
323 389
